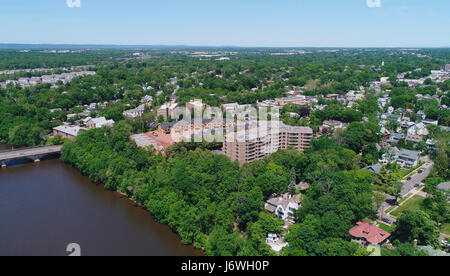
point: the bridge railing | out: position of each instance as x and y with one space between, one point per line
27 148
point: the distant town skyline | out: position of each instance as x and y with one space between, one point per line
249 23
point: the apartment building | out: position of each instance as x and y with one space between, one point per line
257 141
195 105
298 100
168 110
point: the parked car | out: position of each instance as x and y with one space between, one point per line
387 220
409 178
417 185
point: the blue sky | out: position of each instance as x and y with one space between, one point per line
300 23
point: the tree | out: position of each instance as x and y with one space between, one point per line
404 250
441 164
417 225
396 190
221 243
292 182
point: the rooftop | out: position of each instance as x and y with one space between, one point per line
370 232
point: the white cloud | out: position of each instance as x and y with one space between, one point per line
373 3
74 3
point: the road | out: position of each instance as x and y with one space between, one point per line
417 178
19 153
408 187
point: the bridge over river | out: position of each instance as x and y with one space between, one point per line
35 154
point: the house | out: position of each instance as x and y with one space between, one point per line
433 252
66 131
431 144
418 129
302 186
231 107
391 155
284 206
136 112
147 99
408 158
382 102
374 168
395 137
98 122
332 124
444 186
293 115
394 117
413 138
366 233
421 114
276 242
235 107
430 122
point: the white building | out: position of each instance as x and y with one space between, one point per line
98 122
284 206
135 112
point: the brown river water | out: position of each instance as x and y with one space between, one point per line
45 207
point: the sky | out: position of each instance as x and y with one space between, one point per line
254 23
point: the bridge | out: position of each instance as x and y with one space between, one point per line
35 154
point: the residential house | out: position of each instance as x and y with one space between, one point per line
418 129
374 168
92 123
366 233
413 138
66 131
395 137
284 206
390 156
431 144
408 158
332 124
135 112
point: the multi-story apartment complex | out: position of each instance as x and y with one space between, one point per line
298 100
168 110
256 142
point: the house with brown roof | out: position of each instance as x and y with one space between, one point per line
366 233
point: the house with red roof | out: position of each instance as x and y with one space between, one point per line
366 233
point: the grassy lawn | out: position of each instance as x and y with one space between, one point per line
445 228
404 198
406 173
386 227
414 204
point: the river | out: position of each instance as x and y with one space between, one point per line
46 206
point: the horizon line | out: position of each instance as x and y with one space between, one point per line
218 46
